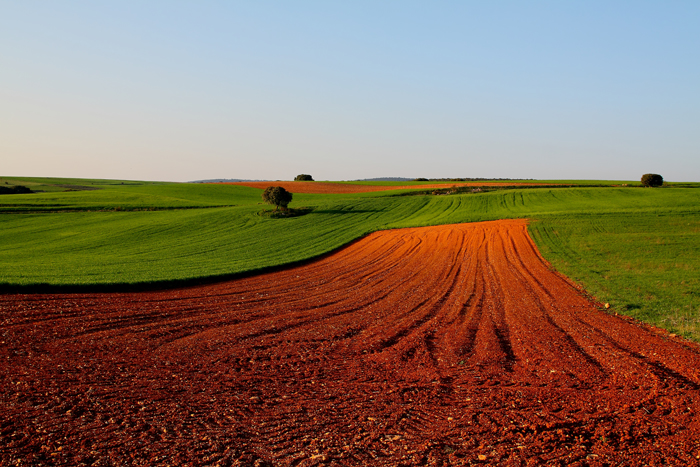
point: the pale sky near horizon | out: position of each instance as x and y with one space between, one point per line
176 90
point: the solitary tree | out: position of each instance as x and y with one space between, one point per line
278 196
303 178
652 180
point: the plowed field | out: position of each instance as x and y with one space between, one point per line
345 188
450 345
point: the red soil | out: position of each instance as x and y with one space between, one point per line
451 345
344 188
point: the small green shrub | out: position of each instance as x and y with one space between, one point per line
303 178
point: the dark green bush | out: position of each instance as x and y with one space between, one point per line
652 180
278 196
303 178
14 190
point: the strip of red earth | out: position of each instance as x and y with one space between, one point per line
345 188
447 345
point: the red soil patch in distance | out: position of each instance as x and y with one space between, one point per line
449 345
345 188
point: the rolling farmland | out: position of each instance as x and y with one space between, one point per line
351 335
620 243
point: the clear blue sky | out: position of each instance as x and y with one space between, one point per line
174 90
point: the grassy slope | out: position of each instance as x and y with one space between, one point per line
646 264
131 196
634 248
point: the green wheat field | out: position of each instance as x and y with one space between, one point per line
637 249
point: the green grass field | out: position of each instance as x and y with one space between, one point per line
636 248
645 264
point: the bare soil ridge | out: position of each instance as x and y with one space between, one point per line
449 345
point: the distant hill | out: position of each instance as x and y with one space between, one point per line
402 179
379 179
232 180
385 179
226 180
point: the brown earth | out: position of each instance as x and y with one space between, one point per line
451 345
345 188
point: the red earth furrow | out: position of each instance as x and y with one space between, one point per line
450 345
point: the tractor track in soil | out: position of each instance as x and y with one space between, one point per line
448 345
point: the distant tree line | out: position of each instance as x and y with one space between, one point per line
14 190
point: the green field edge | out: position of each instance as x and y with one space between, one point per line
164 285
174 284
